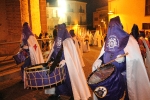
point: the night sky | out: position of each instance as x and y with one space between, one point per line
91 7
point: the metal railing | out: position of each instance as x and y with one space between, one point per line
10 48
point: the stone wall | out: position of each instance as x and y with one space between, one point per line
13 14
10 26
43 15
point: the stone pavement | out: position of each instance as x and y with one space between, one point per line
13 89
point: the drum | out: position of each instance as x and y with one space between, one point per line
107 83
20 57
38 77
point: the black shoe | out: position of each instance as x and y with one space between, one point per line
53 97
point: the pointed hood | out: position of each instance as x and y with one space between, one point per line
117 38
61 36
26 32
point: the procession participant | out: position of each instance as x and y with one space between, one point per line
86 46
32 48
131 66
78 46
75 85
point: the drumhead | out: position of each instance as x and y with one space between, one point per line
101 74
37 67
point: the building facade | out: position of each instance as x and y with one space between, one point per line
131 12
100 19
72 13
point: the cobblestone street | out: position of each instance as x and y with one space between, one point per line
13 89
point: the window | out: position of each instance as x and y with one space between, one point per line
145 26
147 7
68 20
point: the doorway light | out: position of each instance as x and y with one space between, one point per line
110 12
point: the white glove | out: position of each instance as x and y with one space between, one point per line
119 59
96 64
62 63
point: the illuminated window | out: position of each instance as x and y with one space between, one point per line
147 7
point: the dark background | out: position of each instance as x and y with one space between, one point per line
91 7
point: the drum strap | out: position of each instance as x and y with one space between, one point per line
56 60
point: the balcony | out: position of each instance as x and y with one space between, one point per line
81 11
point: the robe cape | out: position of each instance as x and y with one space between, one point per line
79 50
35 51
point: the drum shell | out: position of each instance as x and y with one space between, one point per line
20 57
115 85
39 78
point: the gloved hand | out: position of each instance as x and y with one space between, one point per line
119 59
96 64
62 63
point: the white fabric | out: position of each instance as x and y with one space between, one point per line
91 39
147 59
78 50
86 46
62 63
96 37
50 91
35 53
25 47
96 64
137 78
120 59
51 51
76 73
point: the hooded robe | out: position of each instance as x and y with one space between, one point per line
75 82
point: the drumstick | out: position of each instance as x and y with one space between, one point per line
114 60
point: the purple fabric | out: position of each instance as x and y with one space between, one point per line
19 58
117 38
109 56
114 84
26 32
61 36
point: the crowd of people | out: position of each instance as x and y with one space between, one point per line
132 69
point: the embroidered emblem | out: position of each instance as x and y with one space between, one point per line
112 42
35 47
59 41
100 91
